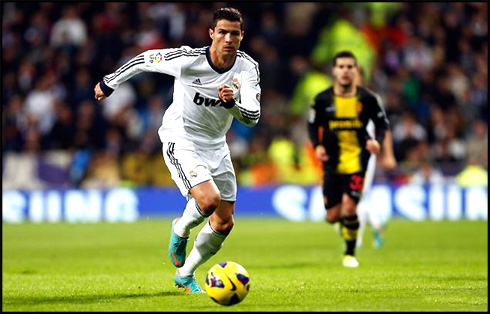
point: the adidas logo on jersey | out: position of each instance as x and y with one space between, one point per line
197 82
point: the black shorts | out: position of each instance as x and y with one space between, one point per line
335 185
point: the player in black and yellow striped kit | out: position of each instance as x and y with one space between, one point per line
337 127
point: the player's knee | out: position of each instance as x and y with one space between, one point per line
349 207
209 203
333 214
332 219
350 210
224 227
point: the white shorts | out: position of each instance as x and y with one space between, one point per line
190 165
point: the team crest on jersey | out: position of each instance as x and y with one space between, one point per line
156 58
193 174
235 85
359 106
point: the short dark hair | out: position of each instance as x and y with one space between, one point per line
229 14
344 54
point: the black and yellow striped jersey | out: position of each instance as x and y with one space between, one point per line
344 121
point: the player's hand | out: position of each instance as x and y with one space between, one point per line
99 94
388 162
321 153
225 93
373 146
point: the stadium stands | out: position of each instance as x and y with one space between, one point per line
428 61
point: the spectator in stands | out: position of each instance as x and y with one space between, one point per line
477 143
472 175
39 106
407 133
427 174
431 58
70 30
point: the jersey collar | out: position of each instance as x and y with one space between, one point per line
211 64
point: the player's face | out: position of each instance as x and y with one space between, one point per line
345 71
226 36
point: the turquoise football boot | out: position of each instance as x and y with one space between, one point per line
378 240
177 247
188 283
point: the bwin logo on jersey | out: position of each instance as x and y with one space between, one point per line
201 100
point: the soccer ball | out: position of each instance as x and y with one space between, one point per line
227 283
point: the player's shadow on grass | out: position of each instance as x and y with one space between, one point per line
85 299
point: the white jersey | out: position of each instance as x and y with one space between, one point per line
197 114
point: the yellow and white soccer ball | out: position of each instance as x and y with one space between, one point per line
227 283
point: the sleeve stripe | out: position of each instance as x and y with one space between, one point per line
255 115
181 52
118 74
184 55
137 58
248 111
124 68
256 65
250 116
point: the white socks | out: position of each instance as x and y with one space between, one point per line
191 218
207 243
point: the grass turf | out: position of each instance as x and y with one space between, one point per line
424 266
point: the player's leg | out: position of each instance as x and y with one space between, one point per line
377 228
363 209
333 214
350 222
333 208
194 180
210 238
332 196
205 199
208 241
363 215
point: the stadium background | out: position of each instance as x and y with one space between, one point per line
428 61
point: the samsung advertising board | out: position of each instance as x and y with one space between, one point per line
292 202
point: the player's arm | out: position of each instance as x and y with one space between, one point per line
247 108
314 124
167 61
388 159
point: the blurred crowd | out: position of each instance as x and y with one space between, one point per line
428 62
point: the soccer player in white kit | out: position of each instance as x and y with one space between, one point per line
212 85
366 213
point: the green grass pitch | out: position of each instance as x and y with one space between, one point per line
424 266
